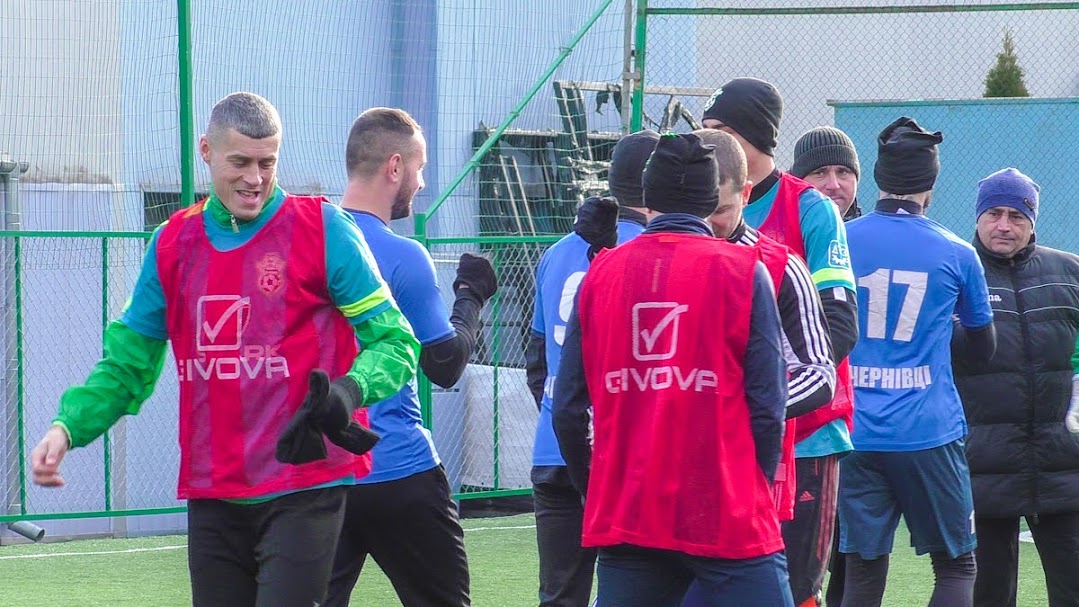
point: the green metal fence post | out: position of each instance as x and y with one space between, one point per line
423 384
107 438
496 254
639 53
20 370
629 76
187 103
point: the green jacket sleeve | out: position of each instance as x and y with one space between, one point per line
118 385
1075 359
389 353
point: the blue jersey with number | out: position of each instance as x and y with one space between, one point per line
912 275
558 277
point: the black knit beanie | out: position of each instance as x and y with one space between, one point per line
824 146
750 107
682 176
907 158
627 164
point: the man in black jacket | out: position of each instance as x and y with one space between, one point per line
1023 460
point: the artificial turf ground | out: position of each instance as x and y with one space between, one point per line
152 571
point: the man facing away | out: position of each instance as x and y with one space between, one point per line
675 348
913 275
565 568
264 297
402 514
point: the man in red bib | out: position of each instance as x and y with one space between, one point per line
791 212
675 347
264 296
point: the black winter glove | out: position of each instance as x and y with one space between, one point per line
326 410
478 275
597 224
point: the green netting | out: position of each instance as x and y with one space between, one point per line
859 65
95 92
95 150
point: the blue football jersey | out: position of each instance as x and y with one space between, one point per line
558 277
912 276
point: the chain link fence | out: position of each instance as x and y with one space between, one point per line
99 122
860 65
521 106
484 426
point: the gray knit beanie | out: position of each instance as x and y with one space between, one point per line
824 146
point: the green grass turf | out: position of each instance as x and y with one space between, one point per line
152 572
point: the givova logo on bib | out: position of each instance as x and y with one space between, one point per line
220 323
655 329
655 326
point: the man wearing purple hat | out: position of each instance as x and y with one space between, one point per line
1023 460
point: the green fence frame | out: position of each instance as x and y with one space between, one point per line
187 145
637 15
495 244
16 237
644 12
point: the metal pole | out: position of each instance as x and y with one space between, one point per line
638 63
187 103
423 384
11 220
629 77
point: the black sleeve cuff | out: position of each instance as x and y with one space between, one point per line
348 391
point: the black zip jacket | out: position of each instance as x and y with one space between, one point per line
1023 461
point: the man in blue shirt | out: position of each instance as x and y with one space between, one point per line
913 275
402 513
566 568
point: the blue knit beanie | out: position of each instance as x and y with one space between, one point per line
1009 188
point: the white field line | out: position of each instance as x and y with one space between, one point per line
498 528
184 546
128 551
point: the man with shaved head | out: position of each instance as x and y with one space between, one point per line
280 326
403 514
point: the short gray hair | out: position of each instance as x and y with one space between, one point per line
247 113
730 158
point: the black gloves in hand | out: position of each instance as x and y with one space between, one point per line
478 275
326 410
597 223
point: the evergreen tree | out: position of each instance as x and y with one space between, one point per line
1005 79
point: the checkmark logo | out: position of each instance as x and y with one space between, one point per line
229 311
655 329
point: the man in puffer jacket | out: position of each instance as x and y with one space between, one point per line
1023 460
